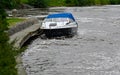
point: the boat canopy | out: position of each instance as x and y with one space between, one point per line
61 15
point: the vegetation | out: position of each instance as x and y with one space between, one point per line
91 2
10 4
55 2
51 3
24 1
7 58
13 21
37 3
7 51
80 2
71 2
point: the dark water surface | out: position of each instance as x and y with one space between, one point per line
94 51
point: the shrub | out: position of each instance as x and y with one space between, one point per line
10 4
7 58
71 2
37 3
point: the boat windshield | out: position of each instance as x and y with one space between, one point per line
56 20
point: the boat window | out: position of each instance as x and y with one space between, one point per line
70 20
48 20
56 20
59 19
64 19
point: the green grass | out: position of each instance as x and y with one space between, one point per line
14 21
24 1
52 3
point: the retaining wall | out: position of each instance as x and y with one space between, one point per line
20 34
20 26
23 31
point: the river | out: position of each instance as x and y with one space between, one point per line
95 50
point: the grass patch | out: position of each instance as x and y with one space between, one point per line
24 1
14 21
53 3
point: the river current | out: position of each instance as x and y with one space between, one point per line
95 50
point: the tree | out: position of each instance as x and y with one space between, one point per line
7 59
86 2
114 1
10 4
104 2
37 3
71 2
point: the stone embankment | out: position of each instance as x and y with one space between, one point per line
20 33
23 25
25 30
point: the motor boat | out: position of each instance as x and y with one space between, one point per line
59 24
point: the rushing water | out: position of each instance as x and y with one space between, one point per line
95 50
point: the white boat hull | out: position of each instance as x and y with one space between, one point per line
59 24
60 32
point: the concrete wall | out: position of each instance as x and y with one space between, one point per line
20 26
20 33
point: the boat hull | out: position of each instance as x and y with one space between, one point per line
60 32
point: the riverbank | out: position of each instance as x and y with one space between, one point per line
19 34
20 37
